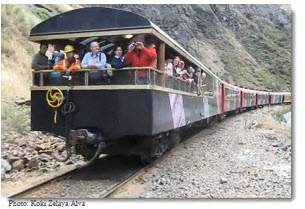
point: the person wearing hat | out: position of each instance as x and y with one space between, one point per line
70 64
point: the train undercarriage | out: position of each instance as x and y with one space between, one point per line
90 143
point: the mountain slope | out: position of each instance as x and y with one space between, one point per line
248 45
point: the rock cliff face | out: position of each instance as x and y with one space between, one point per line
248 45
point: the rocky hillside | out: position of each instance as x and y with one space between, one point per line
248 45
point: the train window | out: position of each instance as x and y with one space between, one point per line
209 82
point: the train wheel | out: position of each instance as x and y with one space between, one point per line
174 139
84 150
145 159
154 151
150 156
157 150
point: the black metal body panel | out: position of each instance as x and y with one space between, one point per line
162 114
92 19
116 113
193 107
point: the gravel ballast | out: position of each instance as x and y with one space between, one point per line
241 157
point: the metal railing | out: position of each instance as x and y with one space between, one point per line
111 76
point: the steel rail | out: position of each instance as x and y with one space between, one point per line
43 182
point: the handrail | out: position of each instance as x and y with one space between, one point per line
183 85
121 69
103 69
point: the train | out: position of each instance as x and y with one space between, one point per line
116 114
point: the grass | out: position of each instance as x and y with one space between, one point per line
279 112
17 51
260 60
16 117
272 50
276 121
41 13
236 71
228 60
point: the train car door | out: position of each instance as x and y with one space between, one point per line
223 96
256 100
241 98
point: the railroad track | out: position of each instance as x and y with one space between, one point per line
40 183
73 179
100 180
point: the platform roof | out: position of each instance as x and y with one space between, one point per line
90 19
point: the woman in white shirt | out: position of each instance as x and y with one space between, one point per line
169 67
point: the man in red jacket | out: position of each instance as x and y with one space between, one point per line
140 56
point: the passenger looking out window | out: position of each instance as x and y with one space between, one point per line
70 64
40 60
77 57
203 76
184 75
180 68
118 59
197 77
190 71
94 59
57 53
175 65
169 67
57 56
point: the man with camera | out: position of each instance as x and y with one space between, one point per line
140 56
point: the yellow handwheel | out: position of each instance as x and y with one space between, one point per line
54 98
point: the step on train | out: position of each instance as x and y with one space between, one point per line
117 114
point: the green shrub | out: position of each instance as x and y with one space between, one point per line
19 120
16 117
280 112
227 58
41 13
5 110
